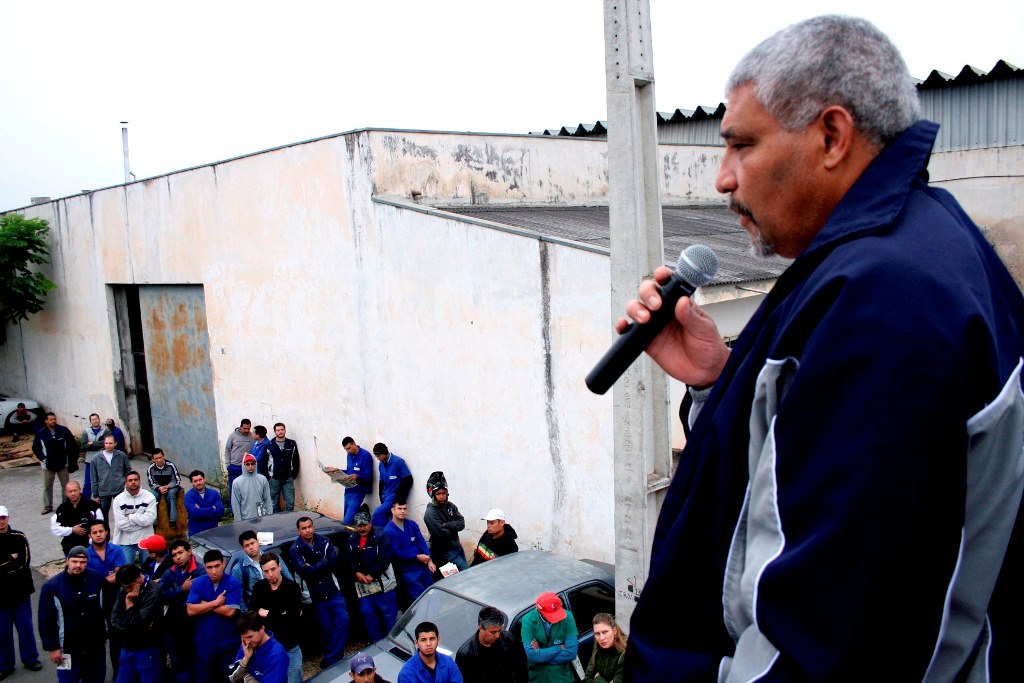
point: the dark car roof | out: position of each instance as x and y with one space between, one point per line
281 524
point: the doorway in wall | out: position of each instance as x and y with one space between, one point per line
167 378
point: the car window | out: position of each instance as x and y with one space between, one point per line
584 603
454 616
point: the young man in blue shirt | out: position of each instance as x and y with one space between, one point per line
214 601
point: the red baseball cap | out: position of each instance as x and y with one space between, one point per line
550 607
154 544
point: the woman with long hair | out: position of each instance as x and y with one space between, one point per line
609 648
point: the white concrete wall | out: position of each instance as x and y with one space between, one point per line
989 184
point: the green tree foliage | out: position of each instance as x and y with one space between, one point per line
22 291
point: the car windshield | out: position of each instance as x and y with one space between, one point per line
454 616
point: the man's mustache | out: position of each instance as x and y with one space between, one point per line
740 208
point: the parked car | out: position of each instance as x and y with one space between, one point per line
511 583
281 532
8 407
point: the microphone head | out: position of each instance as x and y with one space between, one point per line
697 265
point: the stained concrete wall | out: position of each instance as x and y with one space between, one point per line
463 348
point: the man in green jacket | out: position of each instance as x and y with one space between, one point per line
550 639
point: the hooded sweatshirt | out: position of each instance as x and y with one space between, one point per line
250 496
489 547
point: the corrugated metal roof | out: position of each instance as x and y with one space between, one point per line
713 226
936 80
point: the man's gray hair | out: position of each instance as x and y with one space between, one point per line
490 617
832 60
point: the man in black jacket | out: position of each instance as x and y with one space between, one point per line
139 616
15 599
492 654
283 466
279 601
499 539
444 522
57 448
71 520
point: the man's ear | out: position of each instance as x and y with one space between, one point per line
838 132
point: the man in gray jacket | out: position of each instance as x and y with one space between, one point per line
250 496
238 443
109 468
92 443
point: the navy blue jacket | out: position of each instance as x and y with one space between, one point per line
317 565
850 487
57 448
373 559
283 461
71 612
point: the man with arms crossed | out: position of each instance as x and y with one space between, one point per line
213 601
203 504
279 601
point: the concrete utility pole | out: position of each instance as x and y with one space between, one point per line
643 451
124 145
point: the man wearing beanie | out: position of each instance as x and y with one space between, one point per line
444 522
71 620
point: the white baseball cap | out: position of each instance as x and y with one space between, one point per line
493 514
3 511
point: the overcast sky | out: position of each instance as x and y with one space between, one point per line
206 81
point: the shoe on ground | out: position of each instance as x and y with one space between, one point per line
34 666
46 510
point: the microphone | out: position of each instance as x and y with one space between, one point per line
696 267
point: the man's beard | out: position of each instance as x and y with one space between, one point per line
759 248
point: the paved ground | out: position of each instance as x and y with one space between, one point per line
21 490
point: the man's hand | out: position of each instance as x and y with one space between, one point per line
220 599
263 612
111 577
131 595
56 656
689 348
247 651
79 530
163 489
186 584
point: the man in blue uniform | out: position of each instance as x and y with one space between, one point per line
214 601
394 482
358 477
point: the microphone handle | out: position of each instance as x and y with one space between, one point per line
636 337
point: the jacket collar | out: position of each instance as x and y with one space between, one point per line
877 197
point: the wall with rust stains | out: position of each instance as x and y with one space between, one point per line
461 347
481 169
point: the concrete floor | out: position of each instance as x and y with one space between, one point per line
21 490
